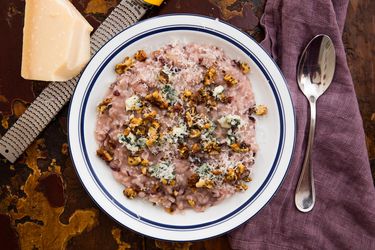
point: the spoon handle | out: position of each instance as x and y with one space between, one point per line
305 192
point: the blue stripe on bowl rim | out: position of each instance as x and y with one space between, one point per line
169 28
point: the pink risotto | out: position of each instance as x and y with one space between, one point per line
178 126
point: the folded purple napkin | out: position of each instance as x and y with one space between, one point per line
344 213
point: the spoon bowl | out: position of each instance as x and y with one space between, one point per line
315 71
316 66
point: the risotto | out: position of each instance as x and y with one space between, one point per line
177 127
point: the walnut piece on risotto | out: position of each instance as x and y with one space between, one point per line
163 77
104 154
204 183
210 76
140 55
230 175
245 68
157 99
261 110
191 202
195 148
124 66
230 80
241 187
239 148
134 160
130 193
104 105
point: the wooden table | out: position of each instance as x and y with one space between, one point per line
42 202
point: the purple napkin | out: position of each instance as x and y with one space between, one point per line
344 213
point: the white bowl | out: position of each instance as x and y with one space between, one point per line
275 132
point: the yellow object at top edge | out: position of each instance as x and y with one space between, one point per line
154 2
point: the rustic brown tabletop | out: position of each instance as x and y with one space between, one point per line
43 204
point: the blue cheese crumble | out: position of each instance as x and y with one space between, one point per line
179 132
131 142
205 171
169 94
163 170
230 121
133 103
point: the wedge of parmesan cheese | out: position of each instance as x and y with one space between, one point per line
56 41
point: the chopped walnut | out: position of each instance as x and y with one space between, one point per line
239 148
191 202
230 175
130 193
193 179
247 179
163 77
261 110
144 170
124 66
195 148
140 55
194 133
135 122
145 162
168 182
230 80
216 172
155 124
126 131
212 148
177 107
134 160
204 183
211 102
155 188
240 169
189 119
187 93
203 92
104 105
156 99
207 125
245 68
183 151
210 76
241 187
169 210
140 130
151 115
225 99
104 154
195 99
152 136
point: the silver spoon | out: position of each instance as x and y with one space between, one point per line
314 75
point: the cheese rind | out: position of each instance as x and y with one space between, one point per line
56 41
